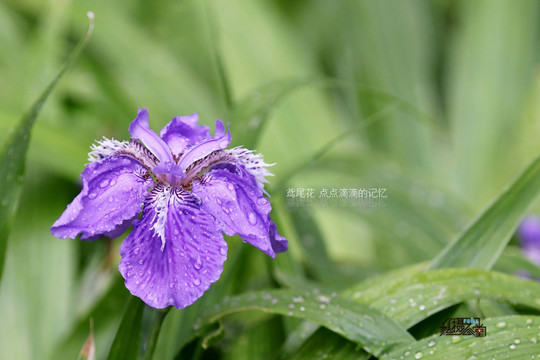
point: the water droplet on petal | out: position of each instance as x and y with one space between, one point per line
223 251
111 199
141 261
252 218
136 251
92 196
262 201
223 144
230 187
197 281
104 184
198 263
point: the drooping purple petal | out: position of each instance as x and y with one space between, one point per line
174 253
140 129
203 149
113 192
182 132
232 196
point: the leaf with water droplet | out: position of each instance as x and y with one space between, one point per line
345 317
507 342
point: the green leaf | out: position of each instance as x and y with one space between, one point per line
353 320
128 337
508 337
327 345
410 299
13 153
480 245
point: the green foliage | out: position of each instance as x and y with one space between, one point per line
434 101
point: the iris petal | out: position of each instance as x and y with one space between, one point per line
232 196
204 148
113 192
183 132
179 270
140 129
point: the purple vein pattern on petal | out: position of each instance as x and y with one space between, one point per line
232 196
140 129
189 262
203 149
182 132
113 192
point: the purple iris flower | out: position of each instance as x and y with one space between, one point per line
191 188
529 233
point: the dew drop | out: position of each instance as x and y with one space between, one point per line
141 261
92 195
104 184
512 347
500 325
262 201
136 251
418 355
456 339
176 232
298 299
421 308
197 281
230 187
517 341
302 308
198 263
111 199
223 144
432 343
223 251
252 218
323 299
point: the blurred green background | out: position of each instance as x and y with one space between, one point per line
434 101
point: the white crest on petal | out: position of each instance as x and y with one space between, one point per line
134 149
253 163
159 200
105 148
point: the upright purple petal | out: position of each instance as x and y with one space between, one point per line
182 132
140 129
232 196
113 192
174 253
203 149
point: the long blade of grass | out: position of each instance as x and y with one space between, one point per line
480 245
13 154
128 337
